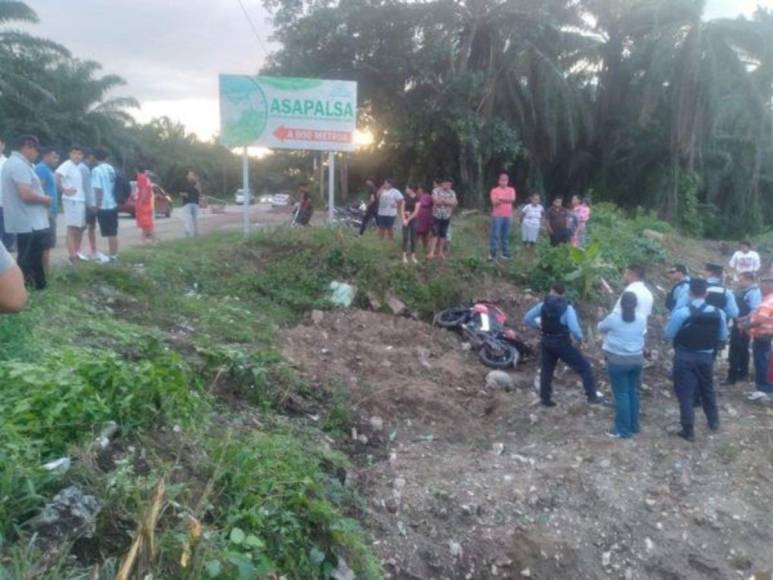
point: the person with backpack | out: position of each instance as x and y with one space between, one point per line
623 347
679 295
759 325
717 295
558 323
698 331
749 298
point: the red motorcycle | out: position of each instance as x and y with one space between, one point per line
484 325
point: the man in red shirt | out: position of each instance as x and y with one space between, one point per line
760 327
502 200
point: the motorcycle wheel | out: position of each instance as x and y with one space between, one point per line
497 355
452 317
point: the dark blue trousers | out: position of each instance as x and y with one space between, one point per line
694 377
761 352
556 348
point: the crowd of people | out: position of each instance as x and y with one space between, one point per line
705 318
424 215
85 191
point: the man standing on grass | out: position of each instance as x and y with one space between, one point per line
557 223
558 323
92 208
49 159
749 298
443 203
760 327
390 205
502 200
8 240
69 182
697 330
191 195
103 178
26 209
745 259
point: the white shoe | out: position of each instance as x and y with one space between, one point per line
101 258
758 396
83 257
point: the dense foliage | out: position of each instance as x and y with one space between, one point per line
644 102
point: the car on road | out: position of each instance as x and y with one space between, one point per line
162 202
239 197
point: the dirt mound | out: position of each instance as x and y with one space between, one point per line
482 484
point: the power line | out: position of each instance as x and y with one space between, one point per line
253 27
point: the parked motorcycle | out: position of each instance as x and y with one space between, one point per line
484 326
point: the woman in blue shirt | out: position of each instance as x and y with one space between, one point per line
624 332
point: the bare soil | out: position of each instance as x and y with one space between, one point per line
463 481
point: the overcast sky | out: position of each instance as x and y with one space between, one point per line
171 51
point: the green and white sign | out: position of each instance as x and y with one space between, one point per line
287 113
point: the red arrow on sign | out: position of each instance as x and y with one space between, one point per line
293 134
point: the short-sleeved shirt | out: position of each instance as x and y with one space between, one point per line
72 178
558 219
764 315
19 216
190 194
388 201
506 198
103 177
6 260
442 212
532 214
3 159
48 183
748 262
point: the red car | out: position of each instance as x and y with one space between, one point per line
163 203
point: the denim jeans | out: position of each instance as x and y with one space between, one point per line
694 375
761 352
500 236
625 385
555 348
191 218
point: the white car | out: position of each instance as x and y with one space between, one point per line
281 200
239 197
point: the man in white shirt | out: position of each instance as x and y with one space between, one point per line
69 182
745 259
634 279
7 239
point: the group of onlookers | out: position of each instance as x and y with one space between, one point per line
702 310
37 192
425 215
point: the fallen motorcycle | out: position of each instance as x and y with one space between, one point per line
484 326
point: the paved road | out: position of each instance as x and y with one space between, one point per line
173 228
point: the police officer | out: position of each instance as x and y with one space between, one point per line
749 297
697 330
679 295
716 293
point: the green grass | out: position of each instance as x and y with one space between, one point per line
179 344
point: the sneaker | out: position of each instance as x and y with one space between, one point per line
614 435
758 396
508 258
414 260
112 258
548 403
714 428
82 257
101 258
684 435
492 258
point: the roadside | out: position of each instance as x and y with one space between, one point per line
230 219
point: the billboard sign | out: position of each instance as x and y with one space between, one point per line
287 113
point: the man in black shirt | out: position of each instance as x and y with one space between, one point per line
191 195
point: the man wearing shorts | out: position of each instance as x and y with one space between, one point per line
390 204
443 203
103 179
49 159
89 161
69 182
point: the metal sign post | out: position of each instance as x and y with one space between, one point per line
331 184
246 190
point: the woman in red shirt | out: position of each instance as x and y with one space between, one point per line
502 200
